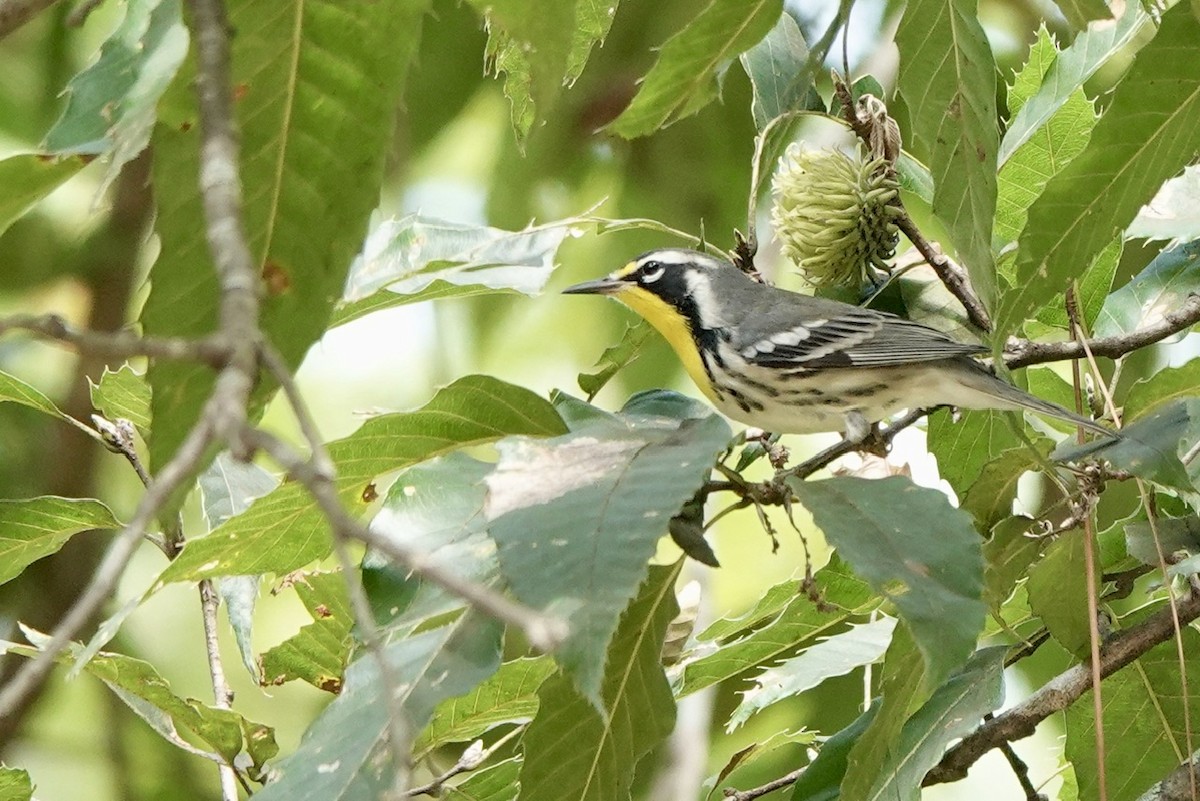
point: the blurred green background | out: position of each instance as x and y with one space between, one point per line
454 157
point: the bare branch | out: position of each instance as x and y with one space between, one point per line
15 13
1022 352
1060 692
120 344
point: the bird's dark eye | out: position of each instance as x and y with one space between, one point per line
651 271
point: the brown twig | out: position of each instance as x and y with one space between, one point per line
1019 769
1020 721
1022 352
757 792
212 351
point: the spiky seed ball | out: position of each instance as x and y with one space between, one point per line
833 214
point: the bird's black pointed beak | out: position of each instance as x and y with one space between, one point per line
601 286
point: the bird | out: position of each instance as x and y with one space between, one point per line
795 364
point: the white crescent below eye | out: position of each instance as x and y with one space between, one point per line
650 276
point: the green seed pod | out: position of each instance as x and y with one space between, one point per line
833 216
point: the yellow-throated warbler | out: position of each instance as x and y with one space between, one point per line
791 363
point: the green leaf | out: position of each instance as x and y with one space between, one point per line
345 754
318 652
952 711
29 177
1063 137
1094 287
112 105
285 530
1174 213
435 508
593 19
577 518
948 78
836 655
685 78
963 448
1170 534
494 783
989 499
17 391
416 258
15 784
571 750
33 528
615 358
1058 592
776 68
1150 447
532 44
125 394
1144 138
1144 724
318 85
904 686
1162 286
928 561
822 780
1008 554
1090 51
147 693
510 696
777 630
1167 385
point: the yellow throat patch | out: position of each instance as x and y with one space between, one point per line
674 328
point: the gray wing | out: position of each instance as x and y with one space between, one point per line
824 333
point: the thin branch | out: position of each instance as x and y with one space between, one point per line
119 344
1022 352
770 787
1020 721
543 632
221 193
833 452
1089 548
15 13
474 756
222 694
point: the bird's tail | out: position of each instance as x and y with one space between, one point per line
1007 396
